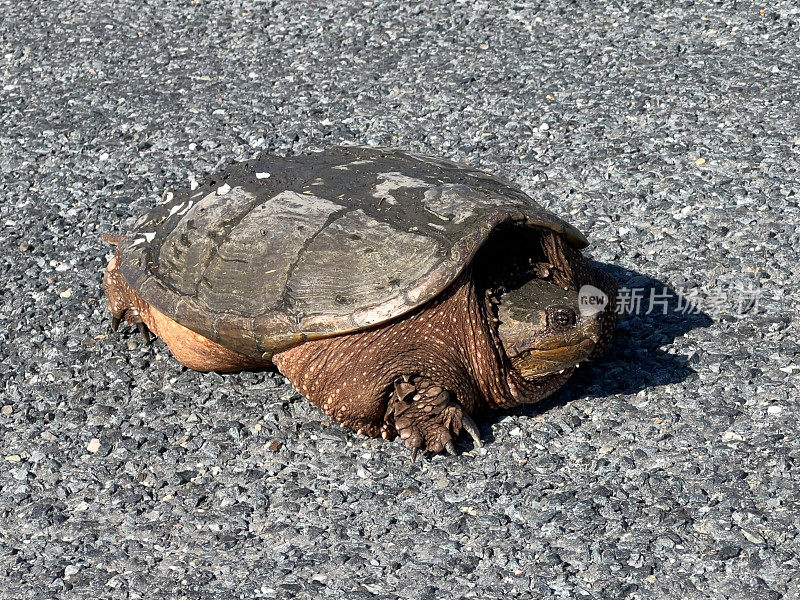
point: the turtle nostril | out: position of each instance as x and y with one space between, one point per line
561 317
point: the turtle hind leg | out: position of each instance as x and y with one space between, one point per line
191 349
428 417
123 302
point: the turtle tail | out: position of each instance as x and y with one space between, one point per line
114 240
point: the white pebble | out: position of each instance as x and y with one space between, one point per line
731 436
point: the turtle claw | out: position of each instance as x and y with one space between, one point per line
414 453
115 321
468 425
450 447
144 331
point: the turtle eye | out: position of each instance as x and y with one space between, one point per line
561 317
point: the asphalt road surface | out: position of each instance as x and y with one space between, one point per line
666 131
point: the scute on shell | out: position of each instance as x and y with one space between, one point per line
274 251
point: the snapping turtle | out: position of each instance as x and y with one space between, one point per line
400 293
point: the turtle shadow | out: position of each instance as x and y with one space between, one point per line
636 359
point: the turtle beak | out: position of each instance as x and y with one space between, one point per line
537 362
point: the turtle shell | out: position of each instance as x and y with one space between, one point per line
274 251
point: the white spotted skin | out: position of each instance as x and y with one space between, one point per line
449 341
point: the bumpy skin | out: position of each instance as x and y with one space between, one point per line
420 376
415 376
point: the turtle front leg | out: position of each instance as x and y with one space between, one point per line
427 416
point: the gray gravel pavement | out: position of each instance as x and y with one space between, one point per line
667 131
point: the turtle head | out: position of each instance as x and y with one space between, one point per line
546 330
560 315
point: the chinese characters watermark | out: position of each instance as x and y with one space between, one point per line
733 301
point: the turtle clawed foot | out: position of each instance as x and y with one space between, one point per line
133 320
428 418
